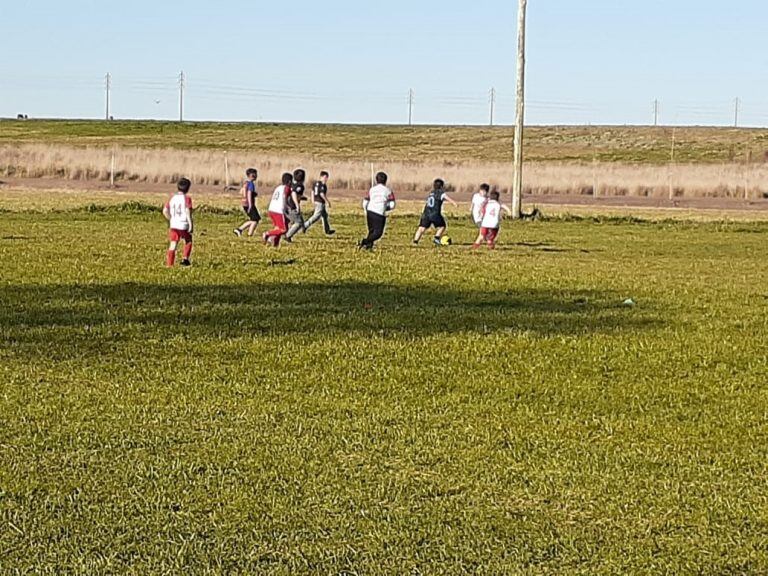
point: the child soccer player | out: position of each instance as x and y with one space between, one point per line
293 204
433 213
489 227
478 203
377 204
248 195
178 211
277 211
321 202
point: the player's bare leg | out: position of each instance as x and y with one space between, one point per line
419 234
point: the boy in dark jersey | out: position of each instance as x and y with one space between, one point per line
433 213
321 202
248 195
293 204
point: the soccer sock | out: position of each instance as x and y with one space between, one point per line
170 257
187 250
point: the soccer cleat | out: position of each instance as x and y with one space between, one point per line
437 241
186 262
330 232
237 232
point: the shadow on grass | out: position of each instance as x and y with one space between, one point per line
59 318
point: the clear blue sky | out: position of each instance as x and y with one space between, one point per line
350 61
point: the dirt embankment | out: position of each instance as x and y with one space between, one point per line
126 189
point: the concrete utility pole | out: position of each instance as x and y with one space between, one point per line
182 80
737 105
493 104
517 186
108 87
656 112
410 107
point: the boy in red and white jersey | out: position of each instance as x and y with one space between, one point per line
277 207
178 211
489 226
478 203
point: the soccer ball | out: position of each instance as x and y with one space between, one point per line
445 241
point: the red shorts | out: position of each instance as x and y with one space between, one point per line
489 234
176 235
278 220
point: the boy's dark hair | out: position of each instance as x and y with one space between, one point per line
439 184
485 187
324 173
381 178
495 195
251 172
287 178
299 175
183 185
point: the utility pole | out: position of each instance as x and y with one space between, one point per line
656 112
517 186
493 104
108 88
182 80
410 107
737 105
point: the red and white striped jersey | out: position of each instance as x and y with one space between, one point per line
277 204
491 214
179 208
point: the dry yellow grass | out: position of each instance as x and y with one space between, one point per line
152 165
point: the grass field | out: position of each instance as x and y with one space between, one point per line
630 144
411 411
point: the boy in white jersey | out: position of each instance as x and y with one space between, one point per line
478 203
178 211
277 208
377 204
489 226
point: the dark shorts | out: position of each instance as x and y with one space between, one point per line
253 214
435 220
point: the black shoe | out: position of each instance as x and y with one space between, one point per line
186 262
287 239
237 232
330 232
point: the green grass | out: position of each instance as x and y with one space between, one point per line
403 143
411 411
